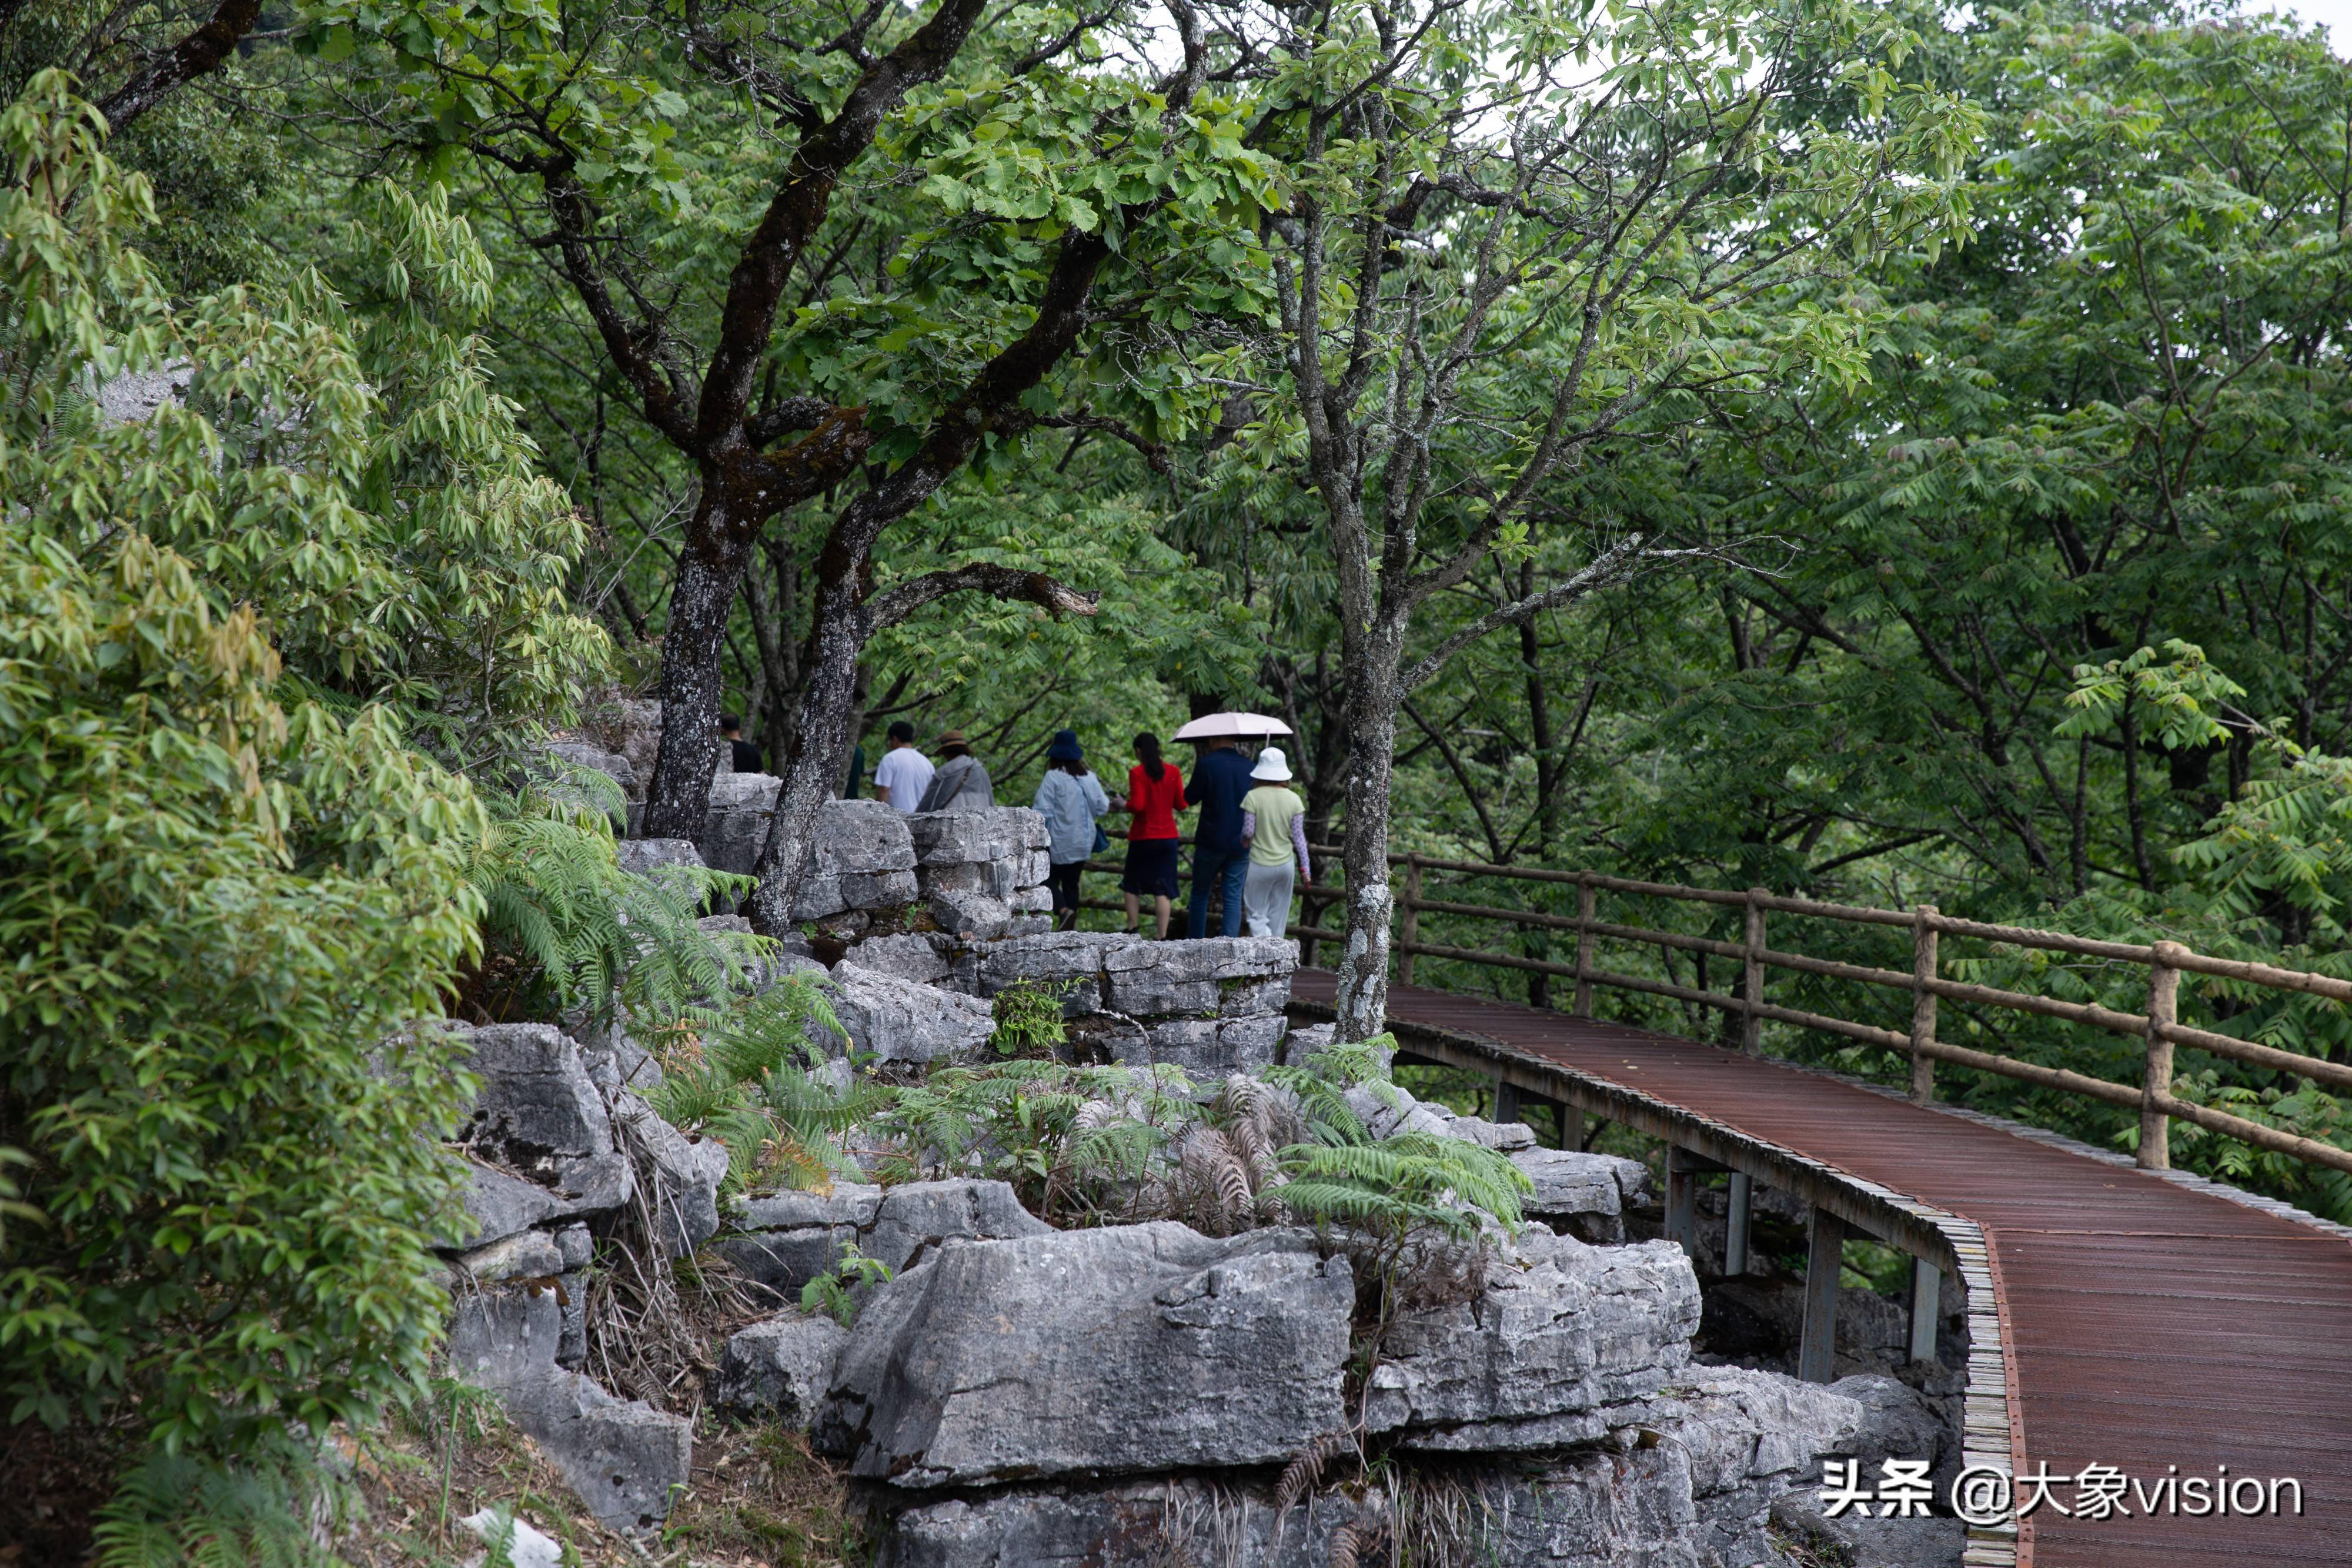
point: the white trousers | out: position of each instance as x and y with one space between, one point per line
1265 897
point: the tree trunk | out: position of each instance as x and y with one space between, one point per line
818 743
1371 722
709 574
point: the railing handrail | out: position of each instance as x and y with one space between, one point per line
2158 1027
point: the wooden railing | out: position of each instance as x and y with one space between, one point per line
2159 1027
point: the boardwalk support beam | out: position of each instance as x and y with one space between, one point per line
1734 1225
1927 1285
1817 1341
1682 1201
1507 1108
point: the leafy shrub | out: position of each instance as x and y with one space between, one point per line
220 915
1028 1020
228 878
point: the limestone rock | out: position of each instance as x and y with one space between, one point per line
595 759
644 855
1069 962
969 917
780 1368
623 1457
786 1239
1216 976
911 956
1206 1049
1569 1183
531 1255
902 1021
1123 1349
1000 833
1751 1438
1564 1339
861 857
1502 1137
630 725
1151 1523
539 1114
683 1175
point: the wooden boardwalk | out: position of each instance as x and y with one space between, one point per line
2152 1324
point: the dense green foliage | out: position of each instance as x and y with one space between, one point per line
1996 397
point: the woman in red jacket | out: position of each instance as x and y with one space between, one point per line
1155 793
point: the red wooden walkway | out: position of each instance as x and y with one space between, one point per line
2151 1326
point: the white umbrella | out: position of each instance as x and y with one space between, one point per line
1233 726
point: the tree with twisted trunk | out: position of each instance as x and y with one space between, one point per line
825 367
1517 240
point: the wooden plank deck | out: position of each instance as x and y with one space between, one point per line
2153 1324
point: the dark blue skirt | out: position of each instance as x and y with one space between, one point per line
1151 868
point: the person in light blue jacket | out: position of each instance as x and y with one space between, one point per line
1070 799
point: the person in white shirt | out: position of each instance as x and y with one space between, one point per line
904 773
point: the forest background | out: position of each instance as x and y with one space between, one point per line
1956 514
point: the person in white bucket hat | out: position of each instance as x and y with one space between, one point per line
1274 820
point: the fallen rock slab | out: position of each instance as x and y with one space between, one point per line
1123 1349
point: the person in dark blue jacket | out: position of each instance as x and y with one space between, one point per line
1220 854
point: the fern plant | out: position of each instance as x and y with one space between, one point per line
566 929
834 1292
190 1509
751 1079
1028 1020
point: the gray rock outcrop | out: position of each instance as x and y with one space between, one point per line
682 1175
1565 1341
784 1241
622 1456
645 856
539 1121
905 1021
1581 1195
780 1369
1135 1348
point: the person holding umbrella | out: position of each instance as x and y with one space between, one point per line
1220 853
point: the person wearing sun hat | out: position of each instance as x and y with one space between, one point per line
1069 797
1274 820
961 783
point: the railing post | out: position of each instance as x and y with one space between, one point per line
1409 931
1583 1006
1751 1025
1923 1003
2163 1005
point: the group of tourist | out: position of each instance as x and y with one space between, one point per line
1249 842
